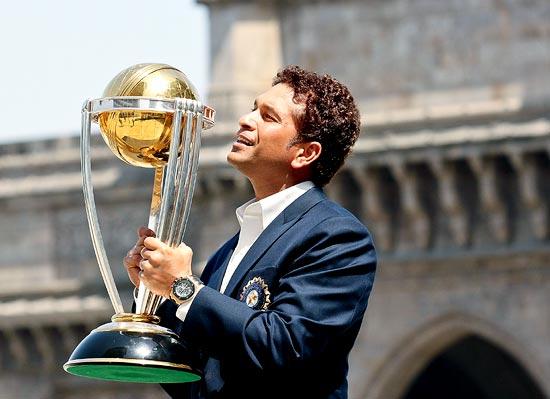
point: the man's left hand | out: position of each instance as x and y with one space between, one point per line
162 264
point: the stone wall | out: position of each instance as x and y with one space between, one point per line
404 49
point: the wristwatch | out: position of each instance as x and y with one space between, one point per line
184 289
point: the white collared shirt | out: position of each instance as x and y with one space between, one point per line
254 217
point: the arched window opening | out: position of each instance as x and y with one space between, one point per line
473 368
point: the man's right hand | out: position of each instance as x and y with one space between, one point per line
133 258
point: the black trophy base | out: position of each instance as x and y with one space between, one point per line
132 351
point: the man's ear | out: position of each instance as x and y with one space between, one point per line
307 153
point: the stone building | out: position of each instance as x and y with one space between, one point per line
451 174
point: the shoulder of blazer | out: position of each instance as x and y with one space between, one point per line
316 205
304 203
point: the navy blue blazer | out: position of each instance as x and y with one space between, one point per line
290 313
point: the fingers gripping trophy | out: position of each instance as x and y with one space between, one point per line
150 116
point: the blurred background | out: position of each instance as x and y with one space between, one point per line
451 174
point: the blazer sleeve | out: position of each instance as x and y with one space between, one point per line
322 294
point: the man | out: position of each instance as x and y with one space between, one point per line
281 303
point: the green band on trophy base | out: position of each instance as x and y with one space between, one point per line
130 373
132 352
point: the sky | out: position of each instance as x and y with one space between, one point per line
57 53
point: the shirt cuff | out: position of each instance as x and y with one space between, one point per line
183 309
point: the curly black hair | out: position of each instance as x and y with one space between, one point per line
330 117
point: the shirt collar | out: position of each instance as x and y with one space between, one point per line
268 208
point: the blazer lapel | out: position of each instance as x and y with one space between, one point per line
275 229
216 278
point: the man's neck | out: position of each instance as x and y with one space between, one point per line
264 192
265 189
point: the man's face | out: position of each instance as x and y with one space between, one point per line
261 149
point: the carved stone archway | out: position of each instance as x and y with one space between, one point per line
411 356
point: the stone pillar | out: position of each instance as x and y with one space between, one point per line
451 201
416 232
375 209
245 52
532 193
492 203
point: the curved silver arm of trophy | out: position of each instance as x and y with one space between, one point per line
91 210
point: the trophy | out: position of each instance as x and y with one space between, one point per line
149 116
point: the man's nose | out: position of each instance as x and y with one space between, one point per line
247 121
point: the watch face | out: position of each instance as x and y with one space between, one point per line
184 289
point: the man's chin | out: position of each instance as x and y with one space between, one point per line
234 159
238 161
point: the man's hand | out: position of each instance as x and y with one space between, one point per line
162 264
133 257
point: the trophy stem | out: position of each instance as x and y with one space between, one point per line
146 301
156 199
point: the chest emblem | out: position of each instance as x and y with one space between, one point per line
256 294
